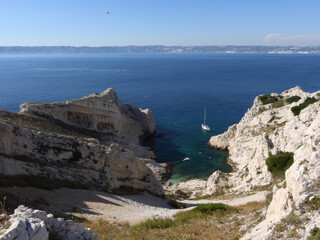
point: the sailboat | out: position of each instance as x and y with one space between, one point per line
204 125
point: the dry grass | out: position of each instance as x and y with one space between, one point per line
194 224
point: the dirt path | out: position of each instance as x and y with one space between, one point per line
256 197
132 209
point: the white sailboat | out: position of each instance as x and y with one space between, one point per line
204 125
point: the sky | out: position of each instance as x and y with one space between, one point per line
159 22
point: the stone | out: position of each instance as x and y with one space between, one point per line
29 224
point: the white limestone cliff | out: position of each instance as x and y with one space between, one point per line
58 157
273 128
102 112
92 142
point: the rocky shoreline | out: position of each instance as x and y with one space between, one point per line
91 143
286 124
94 143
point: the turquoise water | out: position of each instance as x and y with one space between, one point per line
177 87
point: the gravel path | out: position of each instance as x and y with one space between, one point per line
256 197
132 209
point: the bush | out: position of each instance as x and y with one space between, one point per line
293 99
314 234
267 98
315 203
155 223
293 219
207 209
278 164
297 109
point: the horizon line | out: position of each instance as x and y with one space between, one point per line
160 45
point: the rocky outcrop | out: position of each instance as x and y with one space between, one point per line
29 224
266 128
92 142
101 112
272 127
73 162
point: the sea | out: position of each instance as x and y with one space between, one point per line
176 87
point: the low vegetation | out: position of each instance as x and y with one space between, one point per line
293 219
314 203
297 109
4 216
267 98
3 209
293 99
206 221
279 103
314 234
289 228
279 163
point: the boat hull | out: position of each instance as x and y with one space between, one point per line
205 127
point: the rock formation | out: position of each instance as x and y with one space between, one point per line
273 126
101 112
48 143
104 113
29 224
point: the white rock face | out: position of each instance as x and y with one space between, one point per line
29 224
265 129
101 112
274 128
101 150
62 158
215 183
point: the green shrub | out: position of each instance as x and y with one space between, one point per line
314 234
155 223
209 208
293 219
278 164
297 109
293 99
267 98
315 203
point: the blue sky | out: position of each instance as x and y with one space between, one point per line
165 22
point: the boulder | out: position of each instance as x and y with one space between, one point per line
29 224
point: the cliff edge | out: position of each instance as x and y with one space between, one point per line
87 143
277 125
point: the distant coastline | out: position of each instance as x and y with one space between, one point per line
228 49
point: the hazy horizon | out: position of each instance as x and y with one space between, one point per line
152 45
168 23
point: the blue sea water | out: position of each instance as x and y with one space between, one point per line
177 88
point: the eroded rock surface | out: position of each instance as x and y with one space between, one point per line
273 128
270 128
101 112
76 163
29 224
92 142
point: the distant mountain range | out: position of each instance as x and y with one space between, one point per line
162 49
